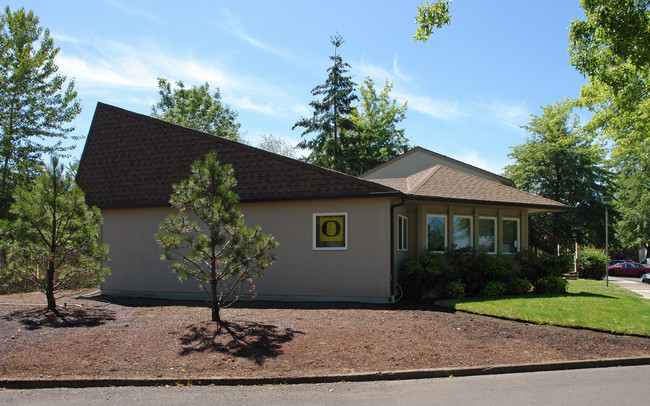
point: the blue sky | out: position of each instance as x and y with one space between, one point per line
469 88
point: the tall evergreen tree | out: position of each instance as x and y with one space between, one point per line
331 120
54 240
560 162
36 105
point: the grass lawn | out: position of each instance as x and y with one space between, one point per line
587 304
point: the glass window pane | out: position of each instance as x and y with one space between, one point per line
487 235
330 231
462 232
402 235
510 236
436 233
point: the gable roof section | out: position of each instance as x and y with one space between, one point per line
445 184
131 160
446 161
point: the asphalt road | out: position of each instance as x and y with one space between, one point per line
603 386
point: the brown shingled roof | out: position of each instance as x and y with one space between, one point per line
131 160
446 184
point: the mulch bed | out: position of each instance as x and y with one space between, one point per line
144 338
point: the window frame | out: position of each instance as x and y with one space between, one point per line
517 241
314 231
471 230
446 240
495 221
402 233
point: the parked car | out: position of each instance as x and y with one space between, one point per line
628 269
645 262
617 261
645 278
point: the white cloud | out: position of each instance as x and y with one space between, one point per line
132 10
442 109
245 102
235 28
473 158
512 115
112 68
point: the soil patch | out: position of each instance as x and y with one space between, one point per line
140 338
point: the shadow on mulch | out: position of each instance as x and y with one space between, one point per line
253 341
34 319
427 305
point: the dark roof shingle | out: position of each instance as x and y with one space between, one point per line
131 160
442 183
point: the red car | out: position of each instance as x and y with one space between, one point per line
628 269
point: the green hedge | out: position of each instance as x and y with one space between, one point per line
470 273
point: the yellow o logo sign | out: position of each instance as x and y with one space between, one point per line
331 228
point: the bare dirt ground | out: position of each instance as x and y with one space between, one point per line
145 339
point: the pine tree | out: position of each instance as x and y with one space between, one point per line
331 120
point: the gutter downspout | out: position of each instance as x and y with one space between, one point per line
392 245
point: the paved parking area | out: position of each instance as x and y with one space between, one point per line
633 284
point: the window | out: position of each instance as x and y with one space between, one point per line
487 234
462 231
510 235
436 233
330 231
402 233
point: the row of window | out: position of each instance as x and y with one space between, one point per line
331 233
463 230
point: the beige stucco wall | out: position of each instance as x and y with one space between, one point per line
418 161
362 272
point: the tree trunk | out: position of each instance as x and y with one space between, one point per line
49 288
215 304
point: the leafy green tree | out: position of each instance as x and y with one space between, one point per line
54 241
632 204
559 161
431 16
611 47
331 120
375 138
196 108
36 105
207 239
277 145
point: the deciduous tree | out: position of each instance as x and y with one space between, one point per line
431 16
277 145
196 108
375 138
36 104
54 241
207 239
559 161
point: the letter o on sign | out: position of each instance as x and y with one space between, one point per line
331 228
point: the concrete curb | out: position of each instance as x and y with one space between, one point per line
358 377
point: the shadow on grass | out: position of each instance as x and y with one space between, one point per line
254 341
34 319
450 303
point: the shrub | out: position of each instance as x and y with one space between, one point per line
424 274
455 289
550 285
519 287
493 289
591 263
